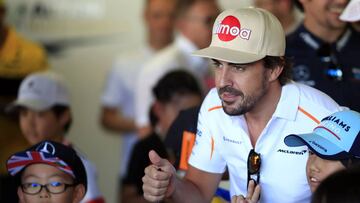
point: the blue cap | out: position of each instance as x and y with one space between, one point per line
336 137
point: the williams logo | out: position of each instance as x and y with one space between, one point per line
302 152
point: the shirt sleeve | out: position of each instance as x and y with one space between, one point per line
112 94
143 96
205 154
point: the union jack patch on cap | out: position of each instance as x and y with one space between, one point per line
18 161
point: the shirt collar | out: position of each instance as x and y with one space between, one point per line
288 103
315 42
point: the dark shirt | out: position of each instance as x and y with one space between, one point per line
185 121
139 160
312 68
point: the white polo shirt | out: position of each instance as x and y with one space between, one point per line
223 140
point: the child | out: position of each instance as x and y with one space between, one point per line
333 145
43 106
48 172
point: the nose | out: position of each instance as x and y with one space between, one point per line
224 77
44 193
313 163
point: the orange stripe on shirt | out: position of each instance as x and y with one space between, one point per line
212 146
308 115
214 108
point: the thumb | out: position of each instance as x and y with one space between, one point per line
156 159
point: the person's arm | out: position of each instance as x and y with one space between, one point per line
160 182
112 119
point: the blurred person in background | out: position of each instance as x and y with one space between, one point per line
194 20
117 113
325 52
176 91
285 10
18 57
342 186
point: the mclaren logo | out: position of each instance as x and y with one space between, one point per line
286 151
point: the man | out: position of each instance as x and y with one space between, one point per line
325 52
118 97
194 19
176 91
285 10
48 172
242 123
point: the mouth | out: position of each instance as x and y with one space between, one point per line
336 9
314 183
228 98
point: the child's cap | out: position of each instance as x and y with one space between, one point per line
52 153
336 137
351 12
245 35
40 91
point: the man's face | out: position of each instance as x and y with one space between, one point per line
317 169
324 13
240 86
38 126
159 19
43 174
198 22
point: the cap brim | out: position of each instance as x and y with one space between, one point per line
31 104
317 145
351 12
228 55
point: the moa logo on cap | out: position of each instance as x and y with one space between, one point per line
230 28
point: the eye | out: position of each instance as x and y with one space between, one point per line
31 185
239 67
216 64
56 184
310 152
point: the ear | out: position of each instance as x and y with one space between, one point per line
65 117
275 73
158 109
20 195
79 193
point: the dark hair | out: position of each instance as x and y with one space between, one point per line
59 110
272 62
299 5
342 186
176 82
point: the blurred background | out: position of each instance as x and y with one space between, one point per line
82 37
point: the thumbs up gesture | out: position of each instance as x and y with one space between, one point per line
159 178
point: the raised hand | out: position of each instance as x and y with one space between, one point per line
252 196
159 178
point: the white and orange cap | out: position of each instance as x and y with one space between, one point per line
245 35
351 12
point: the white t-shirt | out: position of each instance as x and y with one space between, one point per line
176 56
93 193
119 92
223 140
